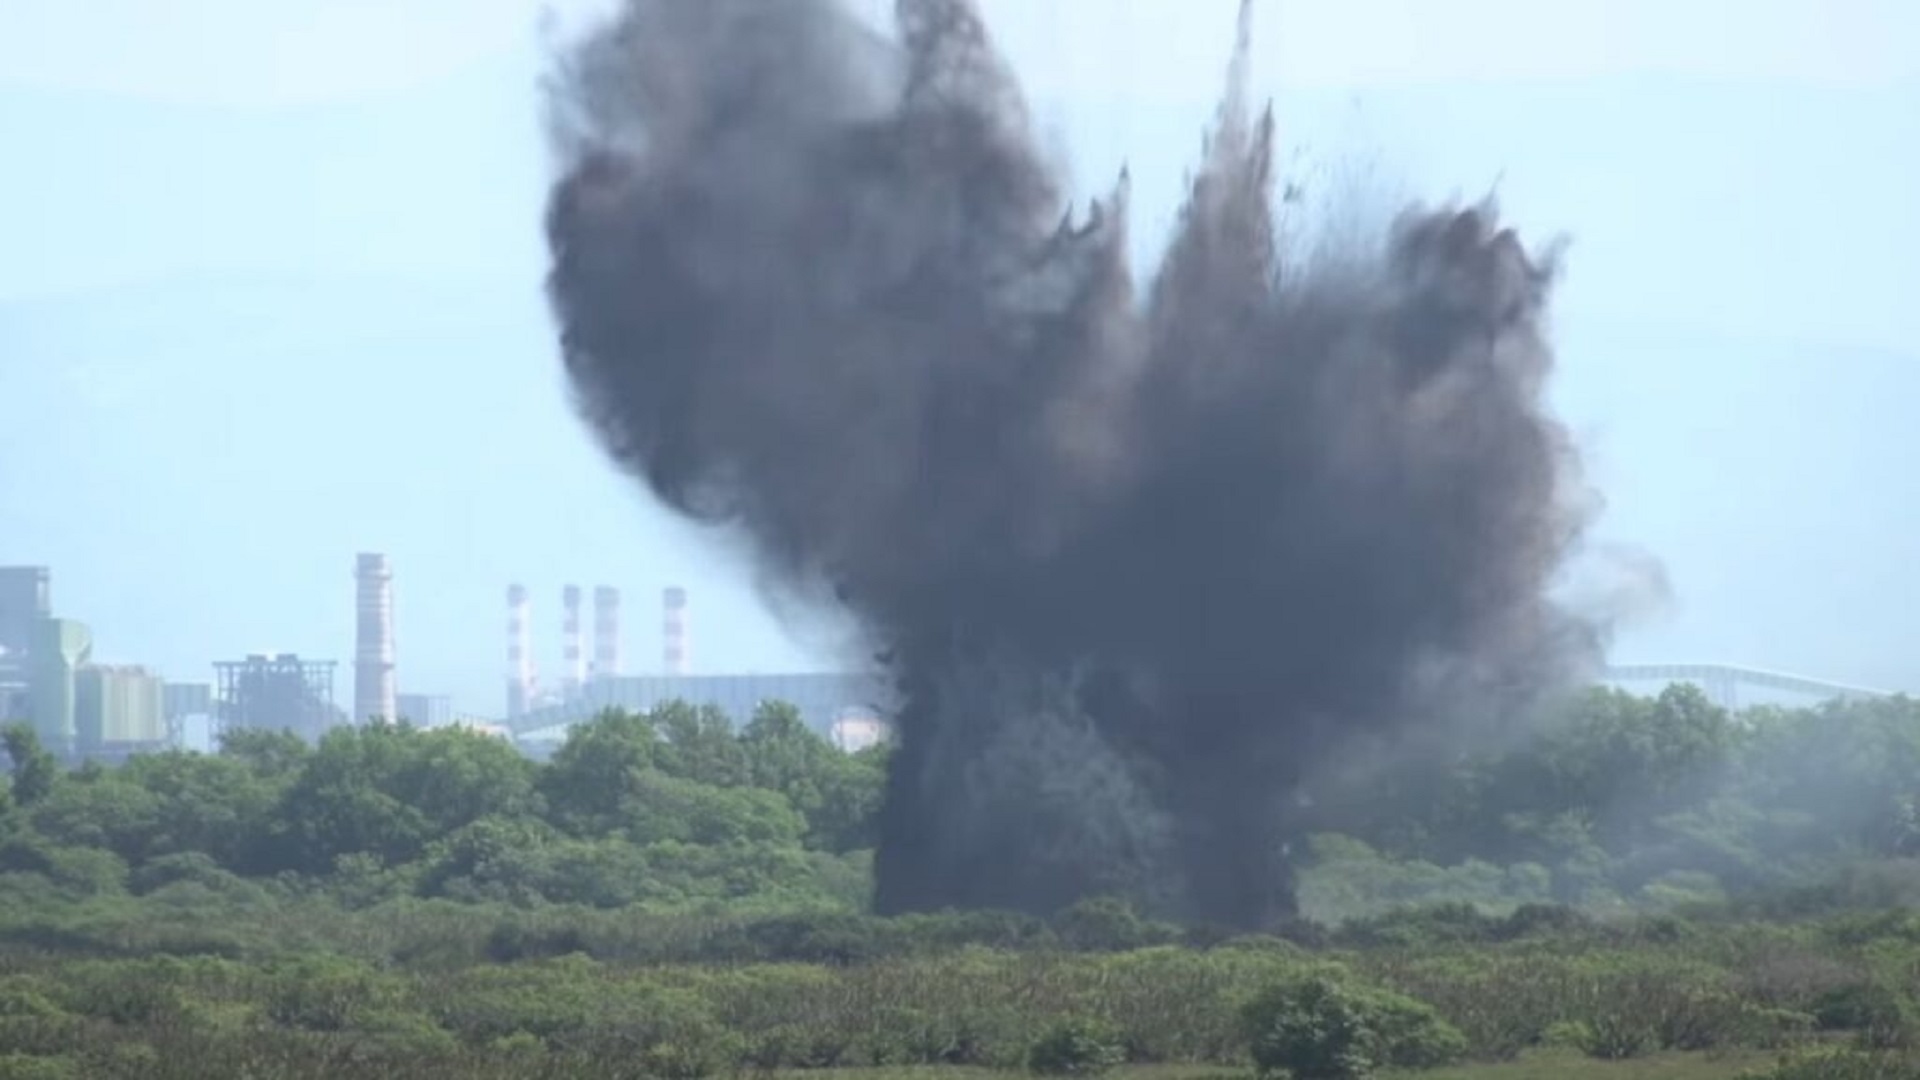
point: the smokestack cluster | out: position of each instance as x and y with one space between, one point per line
606 632
573 659
673 629
520 670
373 674
1142 557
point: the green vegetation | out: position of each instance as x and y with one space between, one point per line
1642 888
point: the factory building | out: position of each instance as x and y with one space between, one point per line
857 729
190 715
277 693
426 710
841 707
15 689
25 602
187 700
78 709
59 648
824 699
119 711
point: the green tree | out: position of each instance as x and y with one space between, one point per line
387 790
268 753
220 806
99 809
847 815
589 775
698 744
838 794
34 769
657 806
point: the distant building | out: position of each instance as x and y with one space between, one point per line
119 711
425 710
25 602
58 650
857 730
186 703
821 698
276 693
481 726
15 688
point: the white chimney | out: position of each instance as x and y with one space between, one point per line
520 673
606 632
575 663
373 689
673 629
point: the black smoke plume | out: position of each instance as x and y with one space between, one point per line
1140 562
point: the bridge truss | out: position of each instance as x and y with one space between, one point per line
1723 682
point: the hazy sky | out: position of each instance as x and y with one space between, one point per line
269 295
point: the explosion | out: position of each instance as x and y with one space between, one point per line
1141 562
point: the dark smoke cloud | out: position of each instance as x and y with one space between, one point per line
1139 562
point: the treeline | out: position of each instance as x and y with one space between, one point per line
1616 801
1611 802
671 809
674 898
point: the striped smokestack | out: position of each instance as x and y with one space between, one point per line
673 629
606 632
373 692
576 662
519 652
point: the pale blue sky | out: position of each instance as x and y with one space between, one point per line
269 296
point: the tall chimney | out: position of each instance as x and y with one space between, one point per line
520 674
673 600
606 632
373 692
576 664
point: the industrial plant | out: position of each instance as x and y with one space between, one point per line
846 708
282 692
85 709
82 709
79 709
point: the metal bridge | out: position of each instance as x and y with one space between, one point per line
1723 682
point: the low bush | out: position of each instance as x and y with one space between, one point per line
1320 1028
1076 1048
1882 1018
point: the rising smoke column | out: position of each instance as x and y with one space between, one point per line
1140 562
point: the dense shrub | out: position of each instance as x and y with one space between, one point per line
327 994
1882 1018
1320 1028
1109 924
1076 1048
